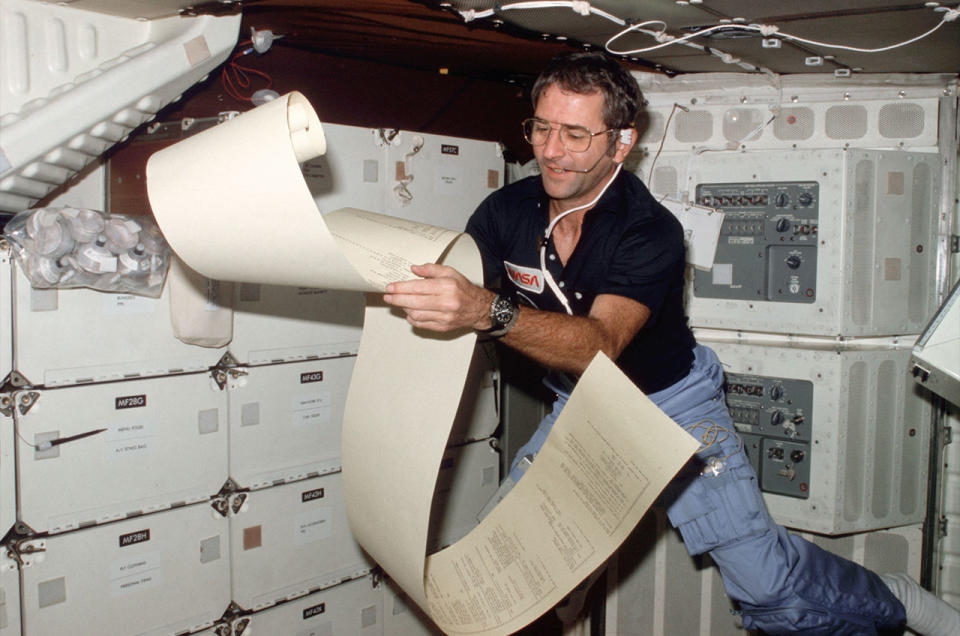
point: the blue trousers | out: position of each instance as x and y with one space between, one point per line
783 583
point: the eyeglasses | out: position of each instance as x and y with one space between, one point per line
574 138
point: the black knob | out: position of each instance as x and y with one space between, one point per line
805 198
781 200
794 261
783 225
776 392
797 456
776 418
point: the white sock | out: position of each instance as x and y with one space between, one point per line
926 614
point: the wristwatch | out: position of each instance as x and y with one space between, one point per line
503 316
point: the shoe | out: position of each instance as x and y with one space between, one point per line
926 614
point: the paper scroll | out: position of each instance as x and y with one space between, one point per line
232 203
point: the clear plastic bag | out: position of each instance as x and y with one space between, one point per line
64 247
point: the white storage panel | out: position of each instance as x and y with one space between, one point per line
274 323
75 336
164 444
440 180
863 443
478 415
352 608
290 540
8 470
286 420
350 174
160 574
9 595
469 476
402 617
819 242
655 588
6 311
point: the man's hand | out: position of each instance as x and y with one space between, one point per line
441 300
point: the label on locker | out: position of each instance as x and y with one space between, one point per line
128 304
311 408
135 573
131 438
313 525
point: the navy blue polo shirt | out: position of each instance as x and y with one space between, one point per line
629 245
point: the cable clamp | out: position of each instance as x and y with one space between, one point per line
469 15
768 29
950 14
581 6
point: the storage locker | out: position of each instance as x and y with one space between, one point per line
286 420
274 323
9 595
125 448
654 587
352 608
819 242
440 180
76 336
290 540
158 574
478 416
6 311
350 174
839 439
468 477
402 617
8 471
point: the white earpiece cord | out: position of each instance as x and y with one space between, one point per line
547 276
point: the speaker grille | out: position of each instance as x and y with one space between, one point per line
884 430
692 127
920 218
794 124
665 181
862 249
846 122
738 123
854 459
901 120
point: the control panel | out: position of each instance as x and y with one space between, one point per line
768 242
773 417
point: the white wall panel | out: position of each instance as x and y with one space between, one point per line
401 616
440 180
290 540
273 323
72 336
165 444
478 415
352 608
159 574
8 471
6 310
350 174
469 475
857 258
9 595
655 588
286 420
866 439
947 577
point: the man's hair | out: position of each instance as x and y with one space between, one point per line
586 72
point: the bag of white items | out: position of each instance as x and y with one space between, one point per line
64 247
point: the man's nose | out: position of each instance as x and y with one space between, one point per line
553 146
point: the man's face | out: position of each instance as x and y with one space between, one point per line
557 164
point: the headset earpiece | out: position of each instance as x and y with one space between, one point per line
626 135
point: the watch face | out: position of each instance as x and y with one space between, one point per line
502 311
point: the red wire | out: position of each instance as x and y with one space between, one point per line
240 75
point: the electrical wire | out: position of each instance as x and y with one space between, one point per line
235 77
664 39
